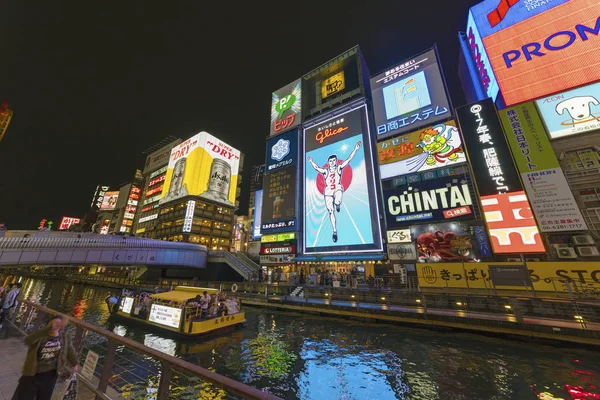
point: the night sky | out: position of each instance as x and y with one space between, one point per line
93 85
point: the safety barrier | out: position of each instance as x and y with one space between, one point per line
176 378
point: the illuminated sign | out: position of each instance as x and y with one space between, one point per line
431 200
160 157
148 218
279 201
448 242
163 315
277 259
333 84
278 250
258 201
340 200
155 190
156 180
505 206
282 151
109 201
158 172
547 188
482 62
99 195
409 96
105 226
537 48
280 237
399 236
430 148
126 305
66 222
202 166
286 107
189 216
573 112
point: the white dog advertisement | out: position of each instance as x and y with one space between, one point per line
571 113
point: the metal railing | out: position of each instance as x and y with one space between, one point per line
129 366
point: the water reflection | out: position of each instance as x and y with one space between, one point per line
297 356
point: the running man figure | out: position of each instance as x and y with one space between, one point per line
333 183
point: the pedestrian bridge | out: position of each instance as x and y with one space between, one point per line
71 248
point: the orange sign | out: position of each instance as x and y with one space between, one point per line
547 53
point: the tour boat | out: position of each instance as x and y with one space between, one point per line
171 311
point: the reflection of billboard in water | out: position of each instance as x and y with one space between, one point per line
339 186
202 166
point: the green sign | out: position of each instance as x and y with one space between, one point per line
285 104
527 138
281 237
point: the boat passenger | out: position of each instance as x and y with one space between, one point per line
222 309
232 306
205 303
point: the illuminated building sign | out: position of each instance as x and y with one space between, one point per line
438 199
99 196
279 200
482 62
189 216
278 250
505 205
571 113
551 198
409 96
277 259
258 201
155 190
423 150
340 199
399 236
333 84
537 48
202 166
66 222
282 151
132 201
109 200
286 107
105 226
280 237
156 180
148 218
160 157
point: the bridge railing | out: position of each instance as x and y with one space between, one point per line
130 369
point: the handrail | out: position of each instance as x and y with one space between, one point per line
221 381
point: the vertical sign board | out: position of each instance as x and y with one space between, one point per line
505 206
280 183
340 198
286 107
482 61
537 47
258 201
547 188
409 96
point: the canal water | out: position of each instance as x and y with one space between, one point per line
298 356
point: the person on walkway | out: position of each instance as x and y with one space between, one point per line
50 353
10 301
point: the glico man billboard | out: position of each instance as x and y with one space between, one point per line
505 205
202 166
537 48
409 95
286 107
341 212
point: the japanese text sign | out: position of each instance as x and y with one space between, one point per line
551 198
409 96
279 202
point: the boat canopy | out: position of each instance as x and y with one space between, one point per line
183 293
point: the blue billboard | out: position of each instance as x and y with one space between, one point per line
258 200
340 201
483 67
282 151
409 96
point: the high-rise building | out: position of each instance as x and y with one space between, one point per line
200 192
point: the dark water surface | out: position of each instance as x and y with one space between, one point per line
298 356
